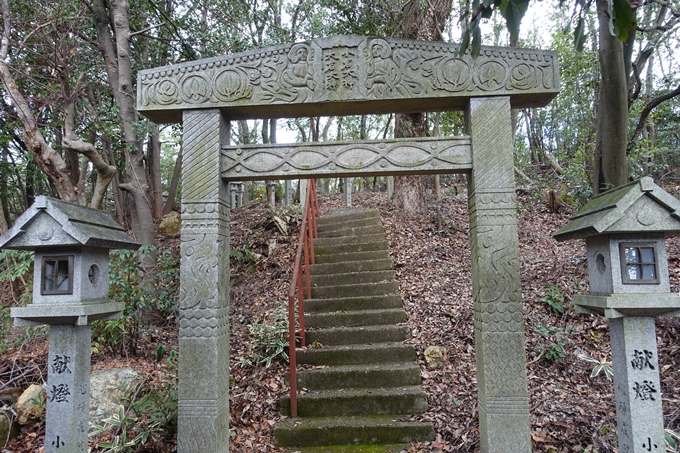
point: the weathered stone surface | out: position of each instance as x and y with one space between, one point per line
639 417
9 429
68 389
203 420
171 224
31 404
499 324
347 75
399 156
108 389
434 356
54 223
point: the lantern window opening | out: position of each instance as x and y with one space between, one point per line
639 263
57 275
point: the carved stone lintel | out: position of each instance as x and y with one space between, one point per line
347 75
367 158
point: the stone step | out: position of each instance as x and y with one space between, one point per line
355 318
347 240
371 401
343 215
295 432
350 266
352 278
353 231
353 303
344 252
365 289
364 448
358 354
359 376
325 228
356 335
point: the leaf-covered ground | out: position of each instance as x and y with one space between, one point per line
570 411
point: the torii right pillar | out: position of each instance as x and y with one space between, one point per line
504 424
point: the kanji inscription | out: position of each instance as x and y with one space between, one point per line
347 75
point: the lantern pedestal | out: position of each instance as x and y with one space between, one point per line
639 415
68 389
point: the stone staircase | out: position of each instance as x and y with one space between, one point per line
358 376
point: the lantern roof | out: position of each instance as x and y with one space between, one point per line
51 223
638 207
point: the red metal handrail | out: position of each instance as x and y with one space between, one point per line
296 291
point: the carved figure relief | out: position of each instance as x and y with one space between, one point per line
345 69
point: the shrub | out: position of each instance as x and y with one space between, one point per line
556 340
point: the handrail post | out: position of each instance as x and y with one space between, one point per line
301 310
308 282
292 357
308 232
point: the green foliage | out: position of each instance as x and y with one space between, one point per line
270 338
556 340
153 417
165 285
16 264
5 325
141 292
554 298
601 366
247 256
512 11
670 437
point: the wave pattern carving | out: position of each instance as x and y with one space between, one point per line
392 156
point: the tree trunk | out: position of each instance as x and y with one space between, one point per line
409 191
154 166
425 20
174 182
611 165
44 155
3 220
119 71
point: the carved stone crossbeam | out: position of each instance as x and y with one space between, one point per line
360 158
347 75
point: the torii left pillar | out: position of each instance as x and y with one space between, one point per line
203 421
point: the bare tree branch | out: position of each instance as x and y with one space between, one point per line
644 115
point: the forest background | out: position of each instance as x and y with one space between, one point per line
70 128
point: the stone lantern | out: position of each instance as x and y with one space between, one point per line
70 290
625 231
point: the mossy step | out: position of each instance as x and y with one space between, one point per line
357 335
341 215
353 303
349 290
348 223
391 448
359 376
368 401
358 354
344 240
350 266
352 278
355 318
351 252
309 432
353 231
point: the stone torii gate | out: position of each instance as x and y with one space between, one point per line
349 75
